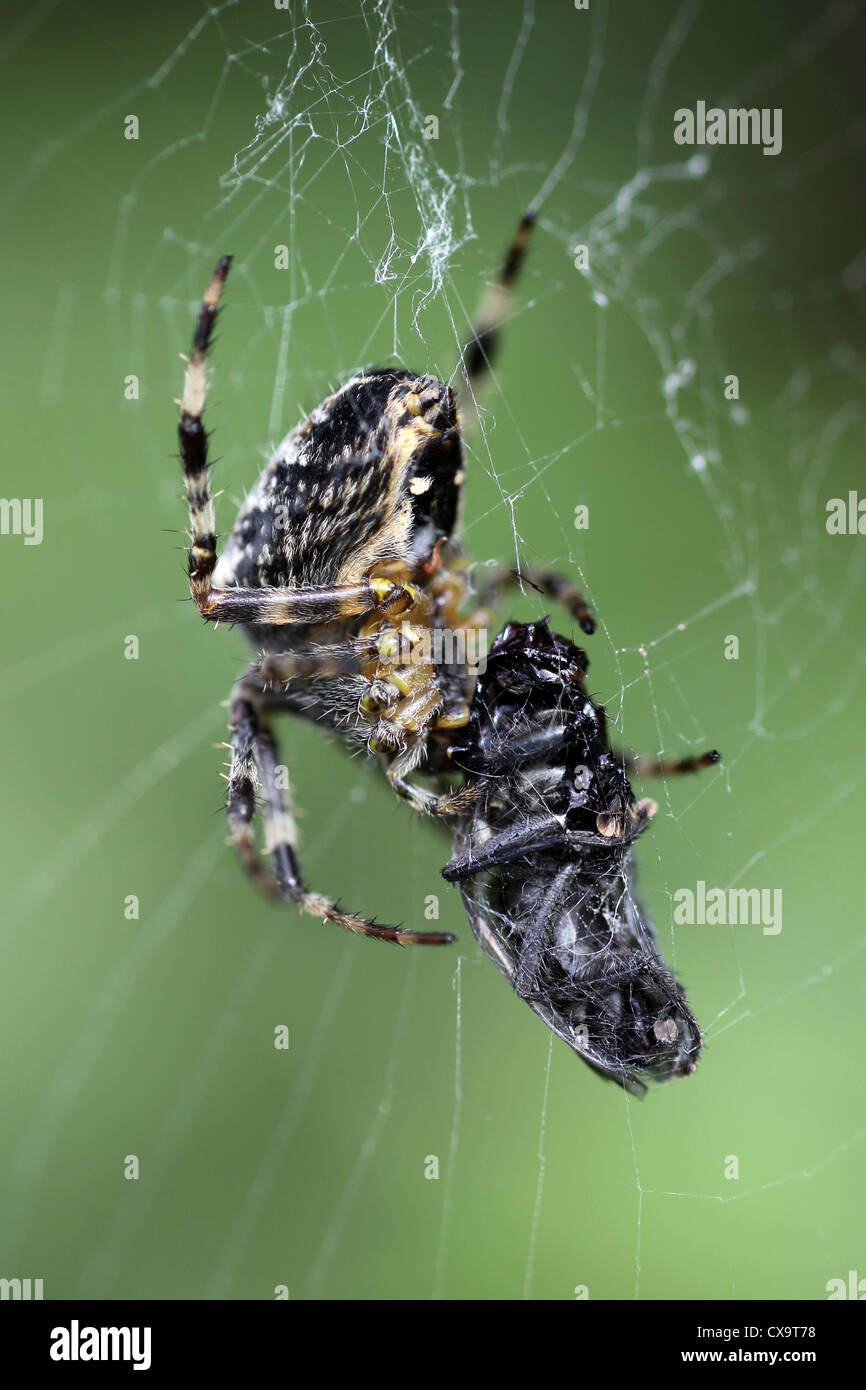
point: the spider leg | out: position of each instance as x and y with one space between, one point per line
408 718
414 716
318 663
666 767
450 803
320 604
193 440
254 751
500 579
256 605
481 349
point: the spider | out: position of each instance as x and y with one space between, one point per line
543 857
342 560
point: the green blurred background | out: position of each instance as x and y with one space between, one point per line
154 1037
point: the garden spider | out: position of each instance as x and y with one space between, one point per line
342 560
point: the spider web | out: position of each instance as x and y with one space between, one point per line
309 129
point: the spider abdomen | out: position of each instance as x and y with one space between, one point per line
371 478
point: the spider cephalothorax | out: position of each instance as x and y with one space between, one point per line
543 855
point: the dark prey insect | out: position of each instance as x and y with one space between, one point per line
343 559
543 858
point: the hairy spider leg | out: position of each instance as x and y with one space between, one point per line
322 663
261 605
667 767
478 356
480 351
451 803
254 750
500 579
